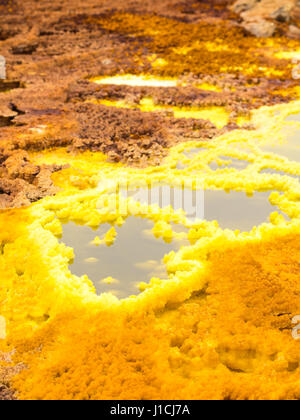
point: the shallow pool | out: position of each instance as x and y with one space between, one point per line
291 147
234 210
135 256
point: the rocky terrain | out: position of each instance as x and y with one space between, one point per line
262 18
48 100
52 50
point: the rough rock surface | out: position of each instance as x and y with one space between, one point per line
293 32
52 50
260 18
6 373
260 28
6 394
142 136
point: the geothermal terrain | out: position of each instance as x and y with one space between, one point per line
98 302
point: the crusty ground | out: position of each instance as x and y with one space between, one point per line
52 50
6 373
237 102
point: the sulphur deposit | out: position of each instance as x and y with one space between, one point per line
107 100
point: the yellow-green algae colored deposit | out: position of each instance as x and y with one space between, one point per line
158 258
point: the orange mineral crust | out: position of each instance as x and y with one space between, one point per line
222 342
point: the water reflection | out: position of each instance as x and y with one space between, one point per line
135 256
291 148
192 152
234 210
294 117
229 163
272 171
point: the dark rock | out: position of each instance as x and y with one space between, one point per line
24 49
9 84
6 116
282 14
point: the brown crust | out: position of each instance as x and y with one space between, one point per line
51 53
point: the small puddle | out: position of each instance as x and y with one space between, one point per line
193 152
229 163
272 171
293 117
291 148
191 201
136 256
234 210
180 166
189 154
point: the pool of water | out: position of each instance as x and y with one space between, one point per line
192 202
276 172
234 210
294 117
191 153
135 256
234 163
290 148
